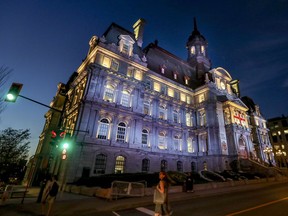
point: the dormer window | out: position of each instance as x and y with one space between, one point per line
186 80
193 50
175 75
126 44
162 70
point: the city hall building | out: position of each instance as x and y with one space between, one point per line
136 109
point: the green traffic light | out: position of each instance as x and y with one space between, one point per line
13 92
65 145
10 97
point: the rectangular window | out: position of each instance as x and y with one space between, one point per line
106 62
162 143
121 134
183 97
188 119
130 72
125 49
175 117
109 94
125 100
138 75
188 100
170 92
146 107
114 65
103 131
157 87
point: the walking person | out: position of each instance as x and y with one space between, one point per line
49 195
189 183
162 208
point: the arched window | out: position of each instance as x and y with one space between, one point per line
109 93
144 138
145 165
193 51
121 131
193 166
179 166
119 164
100 164
103 129
163 165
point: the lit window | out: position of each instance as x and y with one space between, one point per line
125 49
106 62
157 86
147 107
103 129
130 72
177 143
138 75
125 99
170 92
109 94
203 50
188 100
193 51
189 145
162 141
100 164
119 164
201 98
175 75
188 119
183 97
162 70
186 81
121 131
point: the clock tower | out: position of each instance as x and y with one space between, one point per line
197 52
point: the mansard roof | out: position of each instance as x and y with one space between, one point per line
158 57
113 33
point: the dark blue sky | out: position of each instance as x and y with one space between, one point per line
44 42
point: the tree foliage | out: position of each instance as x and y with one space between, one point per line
14 148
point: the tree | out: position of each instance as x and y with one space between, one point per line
14 147
4 74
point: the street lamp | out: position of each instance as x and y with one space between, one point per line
268 150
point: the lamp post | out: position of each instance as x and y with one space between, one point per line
268 150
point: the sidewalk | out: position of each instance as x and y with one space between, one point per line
73 204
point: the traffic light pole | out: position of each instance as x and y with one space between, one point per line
40 103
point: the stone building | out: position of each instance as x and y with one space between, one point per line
134 109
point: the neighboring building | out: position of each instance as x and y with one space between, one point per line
279 137
133 109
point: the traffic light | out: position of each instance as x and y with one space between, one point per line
13 92
56 137
65 145
64 154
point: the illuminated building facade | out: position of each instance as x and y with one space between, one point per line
133 109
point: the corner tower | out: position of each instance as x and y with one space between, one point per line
197 52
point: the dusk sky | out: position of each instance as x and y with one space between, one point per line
44 42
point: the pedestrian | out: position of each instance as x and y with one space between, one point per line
49 195
163 209
189 183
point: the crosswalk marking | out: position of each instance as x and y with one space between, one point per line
145 210
115 213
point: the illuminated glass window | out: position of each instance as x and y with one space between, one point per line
125 48
147 107
201 98
138 75
145 165
162 70
162 141
100 164
179 166
188 100
121 131
175 75
109 93
188 119
186 81
157 86
130 71
125 99
203 50
119 164
103 129
189 145
106 62
170 92
163 165
193 50
177 143
183 97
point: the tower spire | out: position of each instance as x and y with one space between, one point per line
195 24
